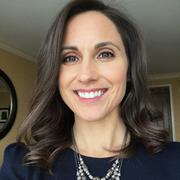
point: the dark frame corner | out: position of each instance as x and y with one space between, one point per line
13 107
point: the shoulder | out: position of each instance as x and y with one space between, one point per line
172 152
18 148
172 148
13 161
15 152
166 161
169 159
169 155
13 168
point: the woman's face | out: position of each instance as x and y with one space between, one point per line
92 79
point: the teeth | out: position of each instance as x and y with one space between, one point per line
90 94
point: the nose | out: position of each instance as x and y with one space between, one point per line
87 72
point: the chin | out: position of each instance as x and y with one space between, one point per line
90 117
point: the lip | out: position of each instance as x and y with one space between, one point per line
90 100
91 90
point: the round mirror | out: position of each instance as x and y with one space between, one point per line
8 104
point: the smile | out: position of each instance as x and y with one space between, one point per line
90 94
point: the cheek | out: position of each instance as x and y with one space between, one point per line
116 73
63 87
62 81
120 78
66 77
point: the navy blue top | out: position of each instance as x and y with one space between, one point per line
164 165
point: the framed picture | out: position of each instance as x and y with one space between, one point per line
4 113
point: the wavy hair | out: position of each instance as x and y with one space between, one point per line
47 129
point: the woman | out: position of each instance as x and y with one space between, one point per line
90 117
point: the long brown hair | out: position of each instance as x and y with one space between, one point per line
47 129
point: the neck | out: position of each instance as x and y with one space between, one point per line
99 138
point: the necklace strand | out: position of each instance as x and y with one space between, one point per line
114 173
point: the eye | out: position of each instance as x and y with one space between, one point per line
106 54
70 59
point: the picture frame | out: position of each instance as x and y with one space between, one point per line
4 113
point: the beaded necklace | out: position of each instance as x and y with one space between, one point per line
114 173
83 173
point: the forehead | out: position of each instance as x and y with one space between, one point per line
91 26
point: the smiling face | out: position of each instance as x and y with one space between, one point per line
92 79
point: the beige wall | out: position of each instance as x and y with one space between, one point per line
22 74
175 84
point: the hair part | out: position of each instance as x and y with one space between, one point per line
46 131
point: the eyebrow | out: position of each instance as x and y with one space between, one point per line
98 45
102 44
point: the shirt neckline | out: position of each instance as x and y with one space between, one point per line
92 157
